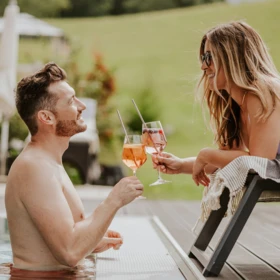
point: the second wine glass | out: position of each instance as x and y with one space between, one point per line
155 141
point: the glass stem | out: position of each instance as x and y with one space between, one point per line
159 177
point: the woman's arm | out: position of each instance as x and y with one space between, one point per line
216 159
187 166
219 158
170 164
216 162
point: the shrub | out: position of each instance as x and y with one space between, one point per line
149 107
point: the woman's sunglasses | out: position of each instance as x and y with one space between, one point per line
207 57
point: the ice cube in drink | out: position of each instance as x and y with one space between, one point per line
152 137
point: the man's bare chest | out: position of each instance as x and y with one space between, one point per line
73 199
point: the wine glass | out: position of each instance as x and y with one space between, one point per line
134 154
155 141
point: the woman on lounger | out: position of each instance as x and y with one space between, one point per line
241 87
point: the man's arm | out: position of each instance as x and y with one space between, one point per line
42 195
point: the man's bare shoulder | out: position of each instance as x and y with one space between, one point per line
28 162
31 171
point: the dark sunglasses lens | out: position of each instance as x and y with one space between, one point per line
207 58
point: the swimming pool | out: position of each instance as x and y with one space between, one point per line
85 271
144 255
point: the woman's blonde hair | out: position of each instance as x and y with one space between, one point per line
239 50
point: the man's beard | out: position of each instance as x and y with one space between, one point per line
68 128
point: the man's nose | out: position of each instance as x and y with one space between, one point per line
81 105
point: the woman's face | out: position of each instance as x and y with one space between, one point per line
210 71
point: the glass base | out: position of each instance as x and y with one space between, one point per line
159 182
140 197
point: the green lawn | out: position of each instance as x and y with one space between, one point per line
161 49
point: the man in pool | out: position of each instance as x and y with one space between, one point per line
46 219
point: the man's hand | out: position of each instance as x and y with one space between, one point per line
111 239
125 191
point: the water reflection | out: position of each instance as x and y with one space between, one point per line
85 271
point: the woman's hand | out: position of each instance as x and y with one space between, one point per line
111 239
199 175
167 163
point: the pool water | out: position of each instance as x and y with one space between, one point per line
85 271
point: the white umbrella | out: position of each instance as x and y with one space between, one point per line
28 25
8 66
8 59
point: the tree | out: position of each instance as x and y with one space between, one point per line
117 7
184 3
87 8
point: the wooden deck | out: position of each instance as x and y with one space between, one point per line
256 254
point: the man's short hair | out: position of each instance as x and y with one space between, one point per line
33 95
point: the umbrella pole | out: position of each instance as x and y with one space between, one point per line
4 144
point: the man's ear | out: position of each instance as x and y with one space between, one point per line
46 117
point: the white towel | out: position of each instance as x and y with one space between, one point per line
233 176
